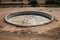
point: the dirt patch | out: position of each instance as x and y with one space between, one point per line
48 32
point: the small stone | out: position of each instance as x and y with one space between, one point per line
1 26
56 20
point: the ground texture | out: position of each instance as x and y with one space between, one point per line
49 31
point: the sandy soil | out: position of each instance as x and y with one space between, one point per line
49 31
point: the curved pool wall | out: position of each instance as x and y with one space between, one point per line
29 13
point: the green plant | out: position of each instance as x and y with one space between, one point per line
50 2
57 2
33 3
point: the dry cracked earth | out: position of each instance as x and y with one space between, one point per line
49 31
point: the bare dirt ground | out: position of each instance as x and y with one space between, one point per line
49 31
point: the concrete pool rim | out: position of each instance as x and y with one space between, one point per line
32 13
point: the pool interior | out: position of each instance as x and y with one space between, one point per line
29 13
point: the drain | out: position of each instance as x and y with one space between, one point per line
28 18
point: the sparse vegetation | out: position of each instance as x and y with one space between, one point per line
33 3
53 2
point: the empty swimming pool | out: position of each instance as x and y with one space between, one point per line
28 18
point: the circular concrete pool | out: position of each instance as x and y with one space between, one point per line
28 18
